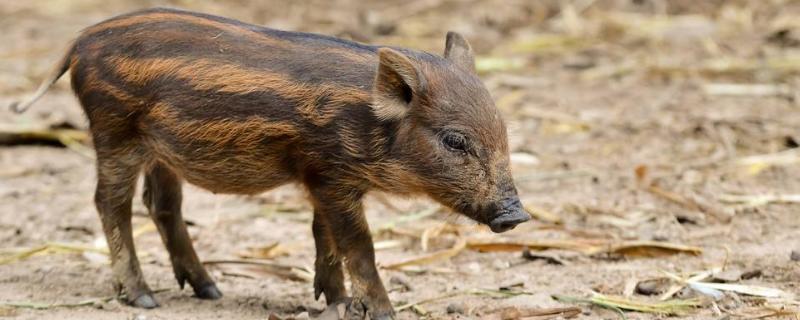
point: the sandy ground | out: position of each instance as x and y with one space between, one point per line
591 91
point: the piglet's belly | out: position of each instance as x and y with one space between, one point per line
225 169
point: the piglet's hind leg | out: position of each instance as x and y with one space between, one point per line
162 196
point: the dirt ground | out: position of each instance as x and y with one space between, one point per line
629 120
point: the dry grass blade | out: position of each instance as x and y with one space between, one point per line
144 228
758 163
759 200
543 215
266 267
82 303
496 294
43 306
407 218
73 139
49 248
270 251
669 307
691 203
682 281
513 313
768 311
429 300
588 246
388 244
430 233
433 257
22 255
735 89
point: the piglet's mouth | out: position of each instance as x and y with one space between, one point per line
508 220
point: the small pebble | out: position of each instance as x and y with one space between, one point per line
455 308
795 255
401 281
650 287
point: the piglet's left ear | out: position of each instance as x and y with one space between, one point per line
397 83
458 50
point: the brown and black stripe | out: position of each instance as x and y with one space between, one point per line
197 89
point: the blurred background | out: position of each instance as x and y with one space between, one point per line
647 137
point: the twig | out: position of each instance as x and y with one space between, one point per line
568 299
785 157
41 306
758 200
691 203
474 292
50 246
756 89
288 271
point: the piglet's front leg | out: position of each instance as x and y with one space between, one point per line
345 219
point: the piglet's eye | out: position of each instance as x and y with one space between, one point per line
455 141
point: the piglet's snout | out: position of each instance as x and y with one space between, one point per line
508 215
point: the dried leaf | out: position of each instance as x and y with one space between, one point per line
744 289
588 246
585 246
652 249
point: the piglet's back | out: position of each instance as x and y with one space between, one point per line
175 36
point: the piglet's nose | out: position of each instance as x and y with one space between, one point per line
509 216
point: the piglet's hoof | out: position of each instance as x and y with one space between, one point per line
208 292
334 311
353 310
145 301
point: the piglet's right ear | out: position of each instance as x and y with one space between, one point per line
398 82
